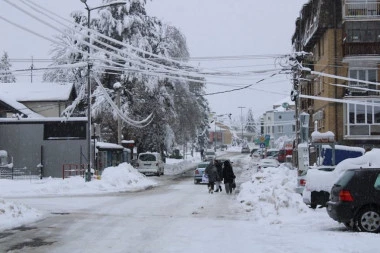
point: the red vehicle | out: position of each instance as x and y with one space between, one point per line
285 151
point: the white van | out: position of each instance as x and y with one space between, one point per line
150 163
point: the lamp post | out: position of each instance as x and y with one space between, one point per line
241 119
88 176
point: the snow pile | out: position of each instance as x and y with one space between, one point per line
124 177
270 194
15 213
320 180
114 179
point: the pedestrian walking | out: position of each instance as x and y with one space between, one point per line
219 178
212 174
228 176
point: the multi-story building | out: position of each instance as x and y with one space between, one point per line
279 123
344 39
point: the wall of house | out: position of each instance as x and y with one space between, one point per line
25 142
46 109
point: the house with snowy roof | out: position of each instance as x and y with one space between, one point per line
33 132
35 100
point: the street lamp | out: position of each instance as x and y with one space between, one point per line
88 176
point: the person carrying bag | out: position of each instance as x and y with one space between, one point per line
229 177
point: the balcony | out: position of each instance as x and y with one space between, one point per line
356 9
364 49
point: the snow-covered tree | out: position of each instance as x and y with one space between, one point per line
6 75
178 108
250 125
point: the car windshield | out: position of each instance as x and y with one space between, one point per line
202 165
210 153
147 157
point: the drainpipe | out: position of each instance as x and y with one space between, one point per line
336 64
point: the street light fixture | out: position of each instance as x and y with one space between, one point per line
88 176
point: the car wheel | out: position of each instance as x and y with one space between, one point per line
158 174
195 181
368 220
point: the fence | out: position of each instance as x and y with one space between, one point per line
20 173
69 170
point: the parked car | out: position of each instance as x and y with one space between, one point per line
355 199
314 194
267 162
245 149
150 163
272 153
209 155
199 171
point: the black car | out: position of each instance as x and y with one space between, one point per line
355 200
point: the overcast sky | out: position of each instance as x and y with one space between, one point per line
213 28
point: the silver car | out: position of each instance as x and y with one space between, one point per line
199 171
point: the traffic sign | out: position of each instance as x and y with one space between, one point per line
262 145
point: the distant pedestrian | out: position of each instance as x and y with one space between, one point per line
202 153
212 174
219 178
228 176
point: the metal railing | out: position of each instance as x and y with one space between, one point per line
20 173
359 9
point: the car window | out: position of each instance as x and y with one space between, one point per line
210 153
377 182
202 165
147 157
345 178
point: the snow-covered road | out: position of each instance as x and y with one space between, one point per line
178 216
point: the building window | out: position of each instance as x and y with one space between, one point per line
363 119
280 129
64 130
293 128
365 75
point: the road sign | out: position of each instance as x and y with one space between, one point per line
262 145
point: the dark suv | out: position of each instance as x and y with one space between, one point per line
355 200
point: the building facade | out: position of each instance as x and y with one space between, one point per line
279 123
340 88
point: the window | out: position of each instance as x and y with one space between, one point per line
64 130
363 119
280 129
377 182
365 75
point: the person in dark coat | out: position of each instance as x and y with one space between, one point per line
219 170
212 174
228 176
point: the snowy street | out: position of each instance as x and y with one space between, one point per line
178 216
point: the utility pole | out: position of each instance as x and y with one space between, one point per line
241 119
88 176
31 71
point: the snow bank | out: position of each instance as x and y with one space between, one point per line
270 194
12 214
114 179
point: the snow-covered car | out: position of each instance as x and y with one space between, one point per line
267 162
150 163
272 153
314 194
209 155
245 149
323 181
199 171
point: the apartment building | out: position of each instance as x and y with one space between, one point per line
344 39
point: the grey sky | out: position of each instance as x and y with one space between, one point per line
213 28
